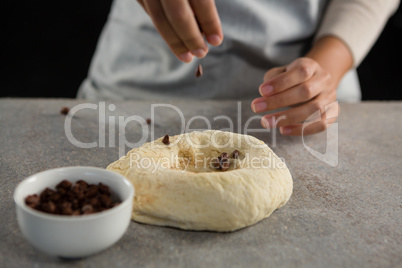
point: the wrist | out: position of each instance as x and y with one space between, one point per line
333 56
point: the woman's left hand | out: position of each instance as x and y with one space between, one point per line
303 84
308 86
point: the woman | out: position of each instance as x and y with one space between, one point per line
304 51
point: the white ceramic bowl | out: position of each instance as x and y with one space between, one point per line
74 236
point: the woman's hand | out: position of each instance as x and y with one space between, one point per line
183 24
307 85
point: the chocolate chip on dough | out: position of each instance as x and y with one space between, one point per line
165 140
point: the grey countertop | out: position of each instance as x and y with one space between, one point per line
348 215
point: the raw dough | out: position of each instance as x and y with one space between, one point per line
175 185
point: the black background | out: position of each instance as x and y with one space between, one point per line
47 47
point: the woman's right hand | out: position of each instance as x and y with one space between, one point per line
182 24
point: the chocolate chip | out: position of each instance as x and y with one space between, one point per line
55 197
103 189
94 202
80 196
91 191
165 140
75 204
198 71
105 201
62 191
48 207
64 184
148 121
87 209
32 200
221 162
64 110
216 163
82 184
44 196
66 208
224 155
224 164
76 212
77 189
235 154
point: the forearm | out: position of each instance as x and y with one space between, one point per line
333 56
357 23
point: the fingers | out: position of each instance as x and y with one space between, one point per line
304 86
295 73
293 116
297 94
298 130
157 14
181 17
208 19
310 111
273 72
183 23
314 115
141 2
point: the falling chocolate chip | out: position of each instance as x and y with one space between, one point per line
165 140
235 154
64 110
199 71
148 121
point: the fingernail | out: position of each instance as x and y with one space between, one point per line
214 39
265 122
285 130
266 90
259 107
268 122
199 53
186 57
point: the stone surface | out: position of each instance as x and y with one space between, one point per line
349 215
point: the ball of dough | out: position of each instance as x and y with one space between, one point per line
176 185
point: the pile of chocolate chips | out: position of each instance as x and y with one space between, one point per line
222 162
68 199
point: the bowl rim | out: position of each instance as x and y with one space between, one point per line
92 216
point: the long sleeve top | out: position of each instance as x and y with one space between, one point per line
132 61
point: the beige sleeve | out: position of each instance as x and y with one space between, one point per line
358 23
